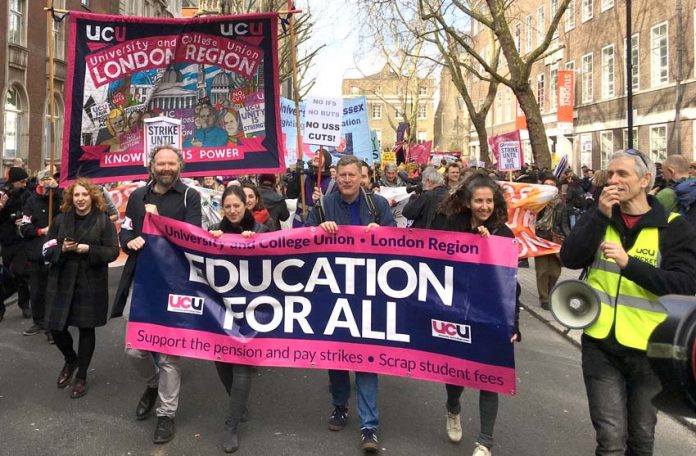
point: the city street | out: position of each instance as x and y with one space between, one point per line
289 407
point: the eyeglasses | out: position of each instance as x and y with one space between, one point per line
637 153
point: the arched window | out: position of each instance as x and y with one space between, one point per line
13 124
57 133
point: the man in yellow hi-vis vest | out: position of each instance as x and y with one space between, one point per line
635 250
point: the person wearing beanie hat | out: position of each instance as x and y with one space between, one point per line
272 200
328 185
12 199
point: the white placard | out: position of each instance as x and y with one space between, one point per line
161 131
323 117
509 156
253 118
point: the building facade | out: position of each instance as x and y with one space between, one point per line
451 129
393 98
24 70
591 42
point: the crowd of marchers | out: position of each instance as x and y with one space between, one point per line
58 267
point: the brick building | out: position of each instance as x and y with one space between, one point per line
591 41
24 70
391 98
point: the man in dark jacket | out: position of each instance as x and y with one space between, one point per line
635 251
422 209
167 196
12 199
34 232
272 200
350 206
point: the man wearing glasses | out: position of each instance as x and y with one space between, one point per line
635 251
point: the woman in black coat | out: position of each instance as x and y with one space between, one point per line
80 245
236 378
477 206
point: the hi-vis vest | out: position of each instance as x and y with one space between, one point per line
633 310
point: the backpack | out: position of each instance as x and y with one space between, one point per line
686 199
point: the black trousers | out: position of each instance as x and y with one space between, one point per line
17 281
85 348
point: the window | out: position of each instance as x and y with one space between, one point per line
658 143
570 65
552 14
625 138
376 111
528 26
608 71
606 4
540 91
606 147
586 10
57 132
13 124
422 90
586 149
635 62
570 16
553 86
84 3
541 30
355 90
422 111
421 136
58 34
398 115
518 36
587 93
659 55
16 25
498 108
508 105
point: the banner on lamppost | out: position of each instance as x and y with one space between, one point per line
566 100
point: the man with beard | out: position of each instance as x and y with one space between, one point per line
167 196
12 199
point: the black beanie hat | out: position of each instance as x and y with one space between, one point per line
16 174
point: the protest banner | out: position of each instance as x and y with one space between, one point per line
507 149
388 157
375 147
524 202
323 119
204 71
566 100
388 301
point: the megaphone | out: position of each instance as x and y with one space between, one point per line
574 304
672 355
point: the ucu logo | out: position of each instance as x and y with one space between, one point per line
101 33
453 331
241 29
650 252
185 304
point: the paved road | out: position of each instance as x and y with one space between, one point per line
289 407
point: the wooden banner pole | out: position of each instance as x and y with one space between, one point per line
296 98
51 103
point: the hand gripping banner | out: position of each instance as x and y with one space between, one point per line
412 303
217 75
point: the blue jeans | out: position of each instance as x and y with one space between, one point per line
620 385
366 391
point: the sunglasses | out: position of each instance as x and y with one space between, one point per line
637 153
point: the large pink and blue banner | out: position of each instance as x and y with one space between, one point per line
218 75
411 303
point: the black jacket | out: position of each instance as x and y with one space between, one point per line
9 235
247 224
422 210
36 209
275 204
677 246
181 203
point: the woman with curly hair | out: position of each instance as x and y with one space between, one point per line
81 244
478 206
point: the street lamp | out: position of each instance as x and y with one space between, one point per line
629 78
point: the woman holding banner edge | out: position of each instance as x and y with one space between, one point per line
478 206
236 378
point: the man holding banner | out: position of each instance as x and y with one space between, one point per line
167 196
351 205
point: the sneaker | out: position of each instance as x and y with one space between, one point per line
49 338
338 418
454 427
545 305
32 330
369 442
481 450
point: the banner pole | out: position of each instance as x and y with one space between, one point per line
51 104
296 98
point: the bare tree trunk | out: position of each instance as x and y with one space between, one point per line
480 126
535 126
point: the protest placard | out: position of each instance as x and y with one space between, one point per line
323 119
161 131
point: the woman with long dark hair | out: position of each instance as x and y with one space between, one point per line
255 204
236 378
80 245
477 206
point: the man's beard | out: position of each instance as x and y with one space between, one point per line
166 179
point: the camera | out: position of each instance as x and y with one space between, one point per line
417 188
16 216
